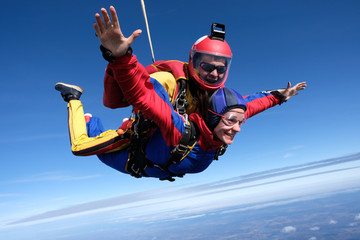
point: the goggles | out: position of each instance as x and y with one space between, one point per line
230 119
208 67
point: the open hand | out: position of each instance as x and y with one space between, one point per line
292 91
110 34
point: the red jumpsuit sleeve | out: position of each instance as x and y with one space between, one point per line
259 102
147 96
113 97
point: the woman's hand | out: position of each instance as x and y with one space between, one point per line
110 34
292 91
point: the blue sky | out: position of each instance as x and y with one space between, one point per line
273 42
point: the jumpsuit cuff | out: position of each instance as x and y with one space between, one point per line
126 59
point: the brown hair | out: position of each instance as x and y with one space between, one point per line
200 100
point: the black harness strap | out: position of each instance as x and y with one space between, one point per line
186 144
137 161
181 102
221 150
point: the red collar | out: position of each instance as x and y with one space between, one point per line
207 139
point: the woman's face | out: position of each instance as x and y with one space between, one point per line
229 125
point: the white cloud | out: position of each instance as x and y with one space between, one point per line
357 217
312 238
7 195
296 147
288 155
332 222
288 229
316 228
190 217
263 189
50 176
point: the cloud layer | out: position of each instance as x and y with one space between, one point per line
280 186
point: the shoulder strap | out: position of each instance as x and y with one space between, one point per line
221 150
181 103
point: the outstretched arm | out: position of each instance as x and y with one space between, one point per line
259 102
110 34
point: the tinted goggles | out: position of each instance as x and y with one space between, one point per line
208 67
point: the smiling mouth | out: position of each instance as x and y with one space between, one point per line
230 135
211 80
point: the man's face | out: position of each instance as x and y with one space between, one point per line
213 75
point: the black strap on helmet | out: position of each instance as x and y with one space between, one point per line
218 34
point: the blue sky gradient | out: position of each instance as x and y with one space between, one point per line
273 42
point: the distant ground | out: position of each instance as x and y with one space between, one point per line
332 218
336 217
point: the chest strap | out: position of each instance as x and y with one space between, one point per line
187 143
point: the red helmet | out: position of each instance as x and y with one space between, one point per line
207 54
